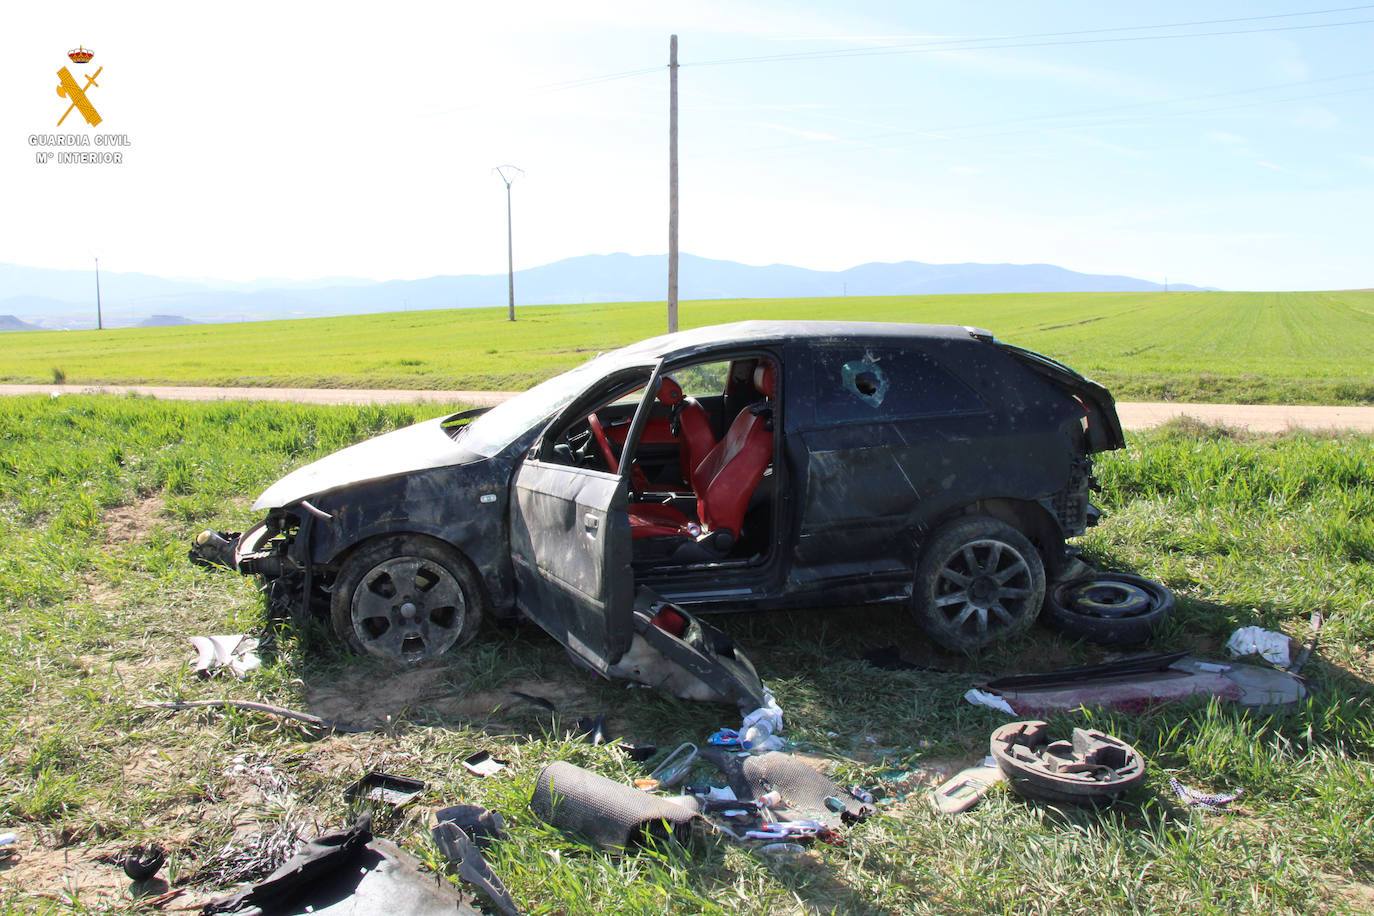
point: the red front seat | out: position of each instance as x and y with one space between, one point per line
690 425
726 477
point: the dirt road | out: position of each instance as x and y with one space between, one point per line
1134 414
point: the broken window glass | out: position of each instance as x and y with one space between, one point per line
865 380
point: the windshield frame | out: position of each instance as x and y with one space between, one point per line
501 426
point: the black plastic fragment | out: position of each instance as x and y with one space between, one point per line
142 862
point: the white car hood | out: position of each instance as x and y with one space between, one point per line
415 448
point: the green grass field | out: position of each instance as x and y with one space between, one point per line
1315 347
99 496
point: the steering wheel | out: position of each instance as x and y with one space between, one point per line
594 423
638 481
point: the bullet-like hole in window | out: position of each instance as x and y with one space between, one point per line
865 380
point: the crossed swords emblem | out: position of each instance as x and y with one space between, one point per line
68 89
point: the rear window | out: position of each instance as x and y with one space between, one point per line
859 384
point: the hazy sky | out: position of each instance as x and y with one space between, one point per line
300 140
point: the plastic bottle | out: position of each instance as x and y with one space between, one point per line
760 738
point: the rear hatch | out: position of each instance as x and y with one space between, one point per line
1103 431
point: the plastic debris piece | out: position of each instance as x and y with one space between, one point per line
142 862
675 766
237 653
464 851
384 788
637 752
964 789
1272 647
1194 799
991 700
483 764
725 737
593 730
861 794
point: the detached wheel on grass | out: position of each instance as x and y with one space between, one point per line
978 580
1114 609
407 599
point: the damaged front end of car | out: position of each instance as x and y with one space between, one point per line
275 551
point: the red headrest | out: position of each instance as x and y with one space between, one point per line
669 391
765 379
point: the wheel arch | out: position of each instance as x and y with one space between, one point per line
486 568
1029 517
343 555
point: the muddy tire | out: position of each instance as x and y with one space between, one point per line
977 580
406 599
1113 609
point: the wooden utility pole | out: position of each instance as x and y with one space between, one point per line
672 184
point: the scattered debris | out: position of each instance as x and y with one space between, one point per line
990 700
760 729
537 701
346 872
305 717
384 788
1268 645
1316 622
461 832
237 654
1136 684
1195 799
142 862
593 729
675 766
611 815
483 764
966 788
1093 768
637 752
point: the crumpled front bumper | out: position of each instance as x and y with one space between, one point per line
259 551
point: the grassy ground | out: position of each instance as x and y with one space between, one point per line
1314 347
98 497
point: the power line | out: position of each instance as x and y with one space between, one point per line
928 132
1025 41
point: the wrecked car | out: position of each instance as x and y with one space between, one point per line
762 464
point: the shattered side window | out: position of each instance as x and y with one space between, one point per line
854 384
866 379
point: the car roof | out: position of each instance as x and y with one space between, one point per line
685 343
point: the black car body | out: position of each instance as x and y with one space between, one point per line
893 462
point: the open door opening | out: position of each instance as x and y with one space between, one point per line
571 546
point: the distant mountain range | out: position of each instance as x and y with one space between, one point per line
66 298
